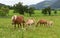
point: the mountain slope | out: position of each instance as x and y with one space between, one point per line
46 3
42 4
1 5
56 4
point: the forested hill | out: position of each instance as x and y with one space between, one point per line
46 3
2 4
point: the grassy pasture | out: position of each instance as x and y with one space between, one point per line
7 30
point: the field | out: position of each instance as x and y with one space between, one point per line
7 30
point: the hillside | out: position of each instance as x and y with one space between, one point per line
56 4
46 3
1 4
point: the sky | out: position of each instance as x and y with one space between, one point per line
25 2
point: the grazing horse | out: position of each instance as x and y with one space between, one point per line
50 23
42 21
30 21
18 20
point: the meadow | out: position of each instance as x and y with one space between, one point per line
7 30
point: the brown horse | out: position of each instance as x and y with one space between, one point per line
18 20
42 21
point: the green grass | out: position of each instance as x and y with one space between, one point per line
7 30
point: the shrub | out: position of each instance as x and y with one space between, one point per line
4 11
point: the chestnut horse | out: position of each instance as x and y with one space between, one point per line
18 20
42 22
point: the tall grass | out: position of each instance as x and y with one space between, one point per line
7 30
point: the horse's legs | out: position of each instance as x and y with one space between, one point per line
18 25
23 23
37 24
15 26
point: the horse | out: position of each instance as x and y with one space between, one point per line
18 20
42 22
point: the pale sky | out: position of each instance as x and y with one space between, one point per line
25 2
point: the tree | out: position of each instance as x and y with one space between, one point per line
49 10
44 11
25 8
55 12
31 10
10 7
4 11
19 8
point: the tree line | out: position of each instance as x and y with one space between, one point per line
22 9
18 8
48 10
